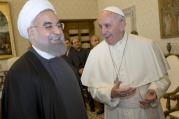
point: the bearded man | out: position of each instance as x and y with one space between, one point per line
41 85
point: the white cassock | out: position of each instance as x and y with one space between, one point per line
143 66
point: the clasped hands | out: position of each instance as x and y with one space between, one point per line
118 91
122 92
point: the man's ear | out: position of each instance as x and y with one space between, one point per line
30 33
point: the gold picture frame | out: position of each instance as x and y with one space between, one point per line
169 18
7 48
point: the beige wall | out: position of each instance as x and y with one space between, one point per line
147 19
66 9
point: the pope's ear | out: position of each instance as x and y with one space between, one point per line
123 22
123 25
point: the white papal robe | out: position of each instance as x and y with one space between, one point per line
143 66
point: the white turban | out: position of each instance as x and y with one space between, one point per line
28 13
115 10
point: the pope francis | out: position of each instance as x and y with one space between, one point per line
127 73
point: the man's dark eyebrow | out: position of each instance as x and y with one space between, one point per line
47 23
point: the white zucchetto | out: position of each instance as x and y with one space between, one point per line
28 13
115 9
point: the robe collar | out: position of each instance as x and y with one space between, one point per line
43 54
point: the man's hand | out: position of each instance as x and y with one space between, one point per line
118 91
150 97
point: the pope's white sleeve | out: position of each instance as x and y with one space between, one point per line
160 86
104 95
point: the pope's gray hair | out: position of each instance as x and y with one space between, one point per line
121 18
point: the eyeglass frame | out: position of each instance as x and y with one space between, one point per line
50 26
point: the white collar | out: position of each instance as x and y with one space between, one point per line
43 54
121 43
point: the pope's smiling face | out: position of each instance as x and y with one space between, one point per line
112 26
